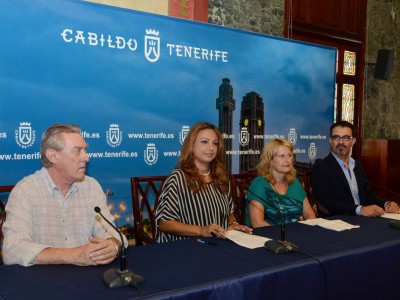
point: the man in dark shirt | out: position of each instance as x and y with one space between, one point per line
339 182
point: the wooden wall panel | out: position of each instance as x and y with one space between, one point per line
338 18
327 13
353 17
300 10
381 161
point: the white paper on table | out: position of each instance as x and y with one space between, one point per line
337 225
391 216
250 241
313 222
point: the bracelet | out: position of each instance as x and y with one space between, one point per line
234 222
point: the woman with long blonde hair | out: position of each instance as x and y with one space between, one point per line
276 190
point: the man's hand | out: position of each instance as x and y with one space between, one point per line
392 207
96 252
372 211
102 251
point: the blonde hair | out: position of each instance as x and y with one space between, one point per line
217 168
269 153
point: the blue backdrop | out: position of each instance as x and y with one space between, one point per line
133 81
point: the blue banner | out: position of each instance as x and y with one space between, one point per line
135 83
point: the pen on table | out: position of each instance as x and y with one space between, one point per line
205 242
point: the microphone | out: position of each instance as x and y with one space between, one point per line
277 247
115 278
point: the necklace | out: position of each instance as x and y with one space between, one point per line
205 174
281 191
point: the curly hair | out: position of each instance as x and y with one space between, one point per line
217 169
269 153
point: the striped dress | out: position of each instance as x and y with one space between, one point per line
178 202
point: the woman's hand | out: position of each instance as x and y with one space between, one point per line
213 230
237 226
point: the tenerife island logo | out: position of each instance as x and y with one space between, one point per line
152 45
312 151
292 136
24 135
183 134
114 135
150 154
244 136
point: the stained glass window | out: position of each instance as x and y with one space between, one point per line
348 102
349 63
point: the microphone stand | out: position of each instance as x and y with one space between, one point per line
282 246
116 278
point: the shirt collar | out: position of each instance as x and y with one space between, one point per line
50 183
352 162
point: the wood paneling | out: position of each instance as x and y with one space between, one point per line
327 13
381 161
300 10
344 19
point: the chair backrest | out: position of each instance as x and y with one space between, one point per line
145 193
303 174
239 185
4 189
240 181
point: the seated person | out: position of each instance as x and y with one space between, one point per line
276 189
196 198
50 214
339 182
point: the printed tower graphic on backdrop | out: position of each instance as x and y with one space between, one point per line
251 138
226 105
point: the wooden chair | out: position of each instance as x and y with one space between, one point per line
239 183
145 194
303 174
6 189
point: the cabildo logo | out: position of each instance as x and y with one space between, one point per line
244 137
292 136
312 151
152 45
184 132
24 135
151 41
114 135
151 154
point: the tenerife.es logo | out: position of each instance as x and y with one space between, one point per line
24 135
114 135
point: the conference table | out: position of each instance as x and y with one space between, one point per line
361 263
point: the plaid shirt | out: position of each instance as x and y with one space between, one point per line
39 216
